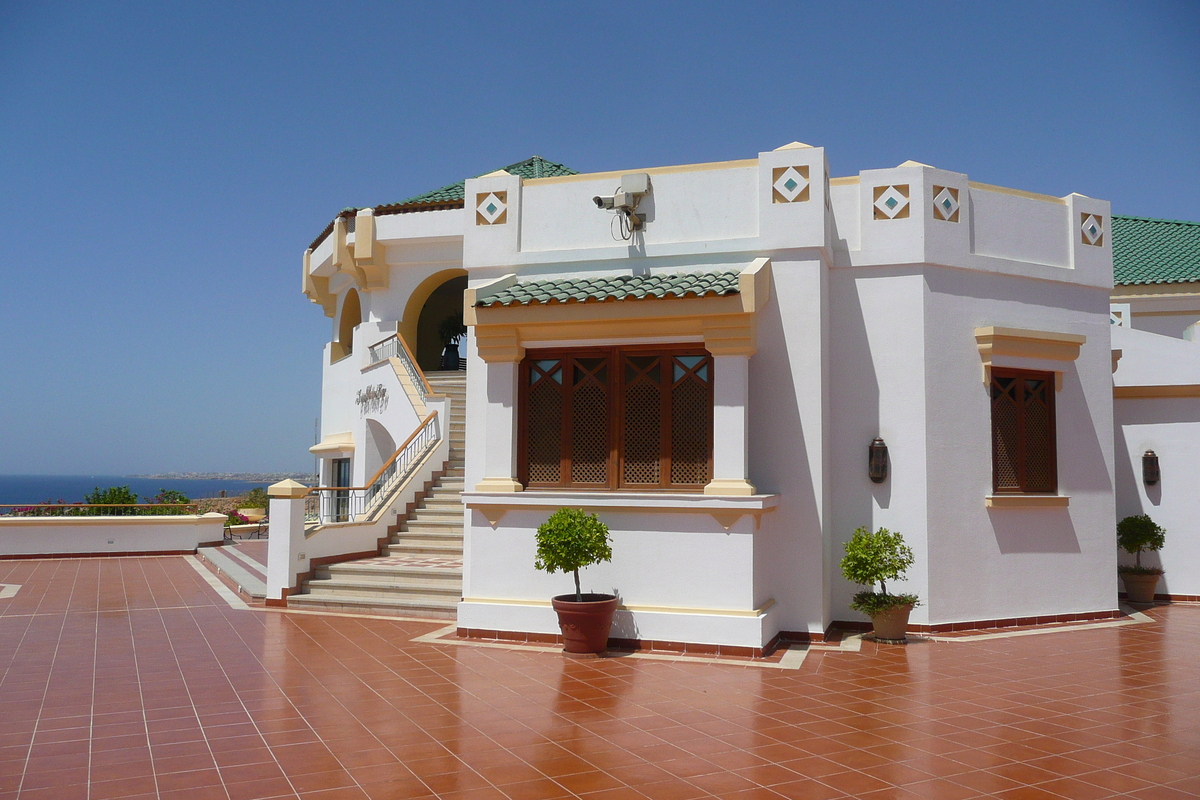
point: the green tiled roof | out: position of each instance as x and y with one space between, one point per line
536 167
452 196
617 287
1155 250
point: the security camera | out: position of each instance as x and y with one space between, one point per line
604 202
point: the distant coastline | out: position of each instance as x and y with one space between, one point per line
255 477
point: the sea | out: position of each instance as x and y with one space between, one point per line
18 489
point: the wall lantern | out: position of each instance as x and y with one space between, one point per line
877 460
1150 467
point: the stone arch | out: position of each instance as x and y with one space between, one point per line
349 318
422 340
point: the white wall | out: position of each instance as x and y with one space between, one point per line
95 535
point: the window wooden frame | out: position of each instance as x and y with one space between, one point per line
1024 449
614 359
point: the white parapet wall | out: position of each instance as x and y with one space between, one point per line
85 536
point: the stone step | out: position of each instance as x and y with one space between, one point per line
376 604
235 570
435 527
374 572
437 516
450 592
418 548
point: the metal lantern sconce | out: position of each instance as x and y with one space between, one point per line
877 463
1150 473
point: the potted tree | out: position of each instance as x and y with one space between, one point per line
450 331
1136 534
876 558
570 540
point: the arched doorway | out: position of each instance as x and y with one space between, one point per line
444 302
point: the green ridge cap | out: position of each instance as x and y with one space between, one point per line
536 167
1147 251
616 287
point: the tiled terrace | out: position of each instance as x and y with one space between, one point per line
136 678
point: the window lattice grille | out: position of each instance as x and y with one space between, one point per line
545 430
589 423
1005 434
1023 438
643 410
690 442
1039 471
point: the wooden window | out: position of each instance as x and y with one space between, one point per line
634 418
1023 440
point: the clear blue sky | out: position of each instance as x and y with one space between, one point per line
164 165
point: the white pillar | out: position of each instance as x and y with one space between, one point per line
731 387
285 540
500 436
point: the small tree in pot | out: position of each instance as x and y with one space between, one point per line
876 558
569 541
450 331
1136 534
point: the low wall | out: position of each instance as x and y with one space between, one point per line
28 537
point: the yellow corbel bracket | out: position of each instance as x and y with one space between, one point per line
368 253
343 259
317 288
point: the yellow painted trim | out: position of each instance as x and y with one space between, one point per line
1157 290
1026 500
407 326
851 180
599 176
287 488
754 285
721 612
317 288
473 295
1169 390
1045 198
730 488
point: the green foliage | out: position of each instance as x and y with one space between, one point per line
256 498
112 496
570 540
170 496
1139 533
872 603
234 518
876 557
1138 570
451 329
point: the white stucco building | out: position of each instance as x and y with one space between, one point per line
706 371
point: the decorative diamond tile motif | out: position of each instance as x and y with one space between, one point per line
945 203
1091 226
491 208
789 184
891 202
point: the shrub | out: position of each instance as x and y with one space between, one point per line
571 540
167 501
112 496
237 519
256 498
877 558
451 329
1137 533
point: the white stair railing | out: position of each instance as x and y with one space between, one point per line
394 347
326 504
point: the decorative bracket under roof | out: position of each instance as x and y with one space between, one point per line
317 288
363 260
1018 346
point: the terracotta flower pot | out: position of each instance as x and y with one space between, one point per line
1140 588
585 625
890 624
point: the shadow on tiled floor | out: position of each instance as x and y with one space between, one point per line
133 678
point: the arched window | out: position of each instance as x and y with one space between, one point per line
348 320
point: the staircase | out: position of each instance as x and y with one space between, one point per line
420 571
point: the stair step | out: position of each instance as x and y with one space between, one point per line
234 569
374 604
450 591
390 573
425 549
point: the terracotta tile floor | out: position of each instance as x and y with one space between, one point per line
132 678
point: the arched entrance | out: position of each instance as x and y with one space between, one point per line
445 302
348 320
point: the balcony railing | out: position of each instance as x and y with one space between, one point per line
326 504
394 347
98 509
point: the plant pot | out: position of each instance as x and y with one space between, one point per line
891 623
1140 587
585 625
253 514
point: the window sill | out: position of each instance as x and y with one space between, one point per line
725 509
1026 501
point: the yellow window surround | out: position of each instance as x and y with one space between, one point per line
994 341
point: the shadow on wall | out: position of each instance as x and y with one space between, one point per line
1034 530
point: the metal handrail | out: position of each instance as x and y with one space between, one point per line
326 504
395 347
97 509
